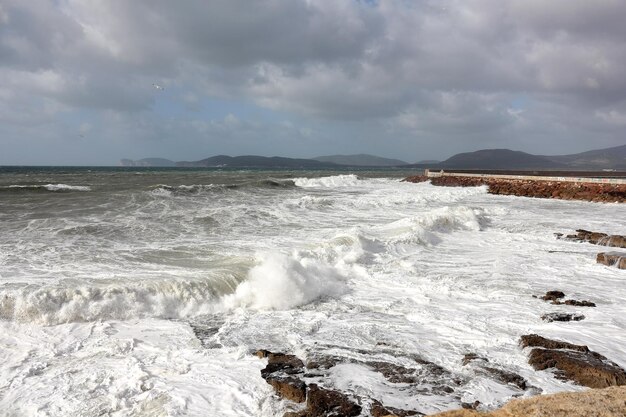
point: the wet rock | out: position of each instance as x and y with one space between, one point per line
576 303
507 377
500 375
612 259
553 295
283 372
323 362
280 362
470 357
550 317
573 362
598 238
534 340
556 296
396 374
324 402
470 406
289 388
379 410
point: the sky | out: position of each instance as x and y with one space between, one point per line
88 82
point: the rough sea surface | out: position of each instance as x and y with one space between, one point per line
127 292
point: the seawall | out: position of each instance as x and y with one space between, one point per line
566 188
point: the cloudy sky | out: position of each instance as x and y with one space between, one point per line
414 80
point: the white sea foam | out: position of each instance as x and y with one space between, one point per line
334 181
366 269
286 281
66 187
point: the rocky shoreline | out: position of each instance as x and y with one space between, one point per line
305 383
607 193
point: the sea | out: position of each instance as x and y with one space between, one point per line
146 291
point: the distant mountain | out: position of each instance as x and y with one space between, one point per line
427 162
361 160
253 161
148 162
499 159
609 158
492 159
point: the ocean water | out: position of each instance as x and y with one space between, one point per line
139 292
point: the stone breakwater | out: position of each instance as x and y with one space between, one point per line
538 188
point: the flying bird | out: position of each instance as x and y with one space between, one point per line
157 86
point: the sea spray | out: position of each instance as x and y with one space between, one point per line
282 282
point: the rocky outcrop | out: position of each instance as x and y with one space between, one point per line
284 374
573 362
322 402
608 402
597 238
539 188
612 259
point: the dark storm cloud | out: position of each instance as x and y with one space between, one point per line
490 72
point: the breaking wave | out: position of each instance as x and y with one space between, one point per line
334 181
44 188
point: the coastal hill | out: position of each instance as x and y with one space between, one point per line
148 162
609 158
499 159
361 160
493 159
248 161
597 159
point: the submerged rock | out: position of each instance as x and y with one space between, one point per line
612 259
553 295
550 317
573 362
379 410
576 303
497 374
556 296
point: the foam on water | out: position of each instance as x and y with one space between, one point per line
349 180
150 300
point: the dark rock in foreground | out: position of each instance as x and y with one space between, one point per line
323 402
573 362
283 373
612 259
